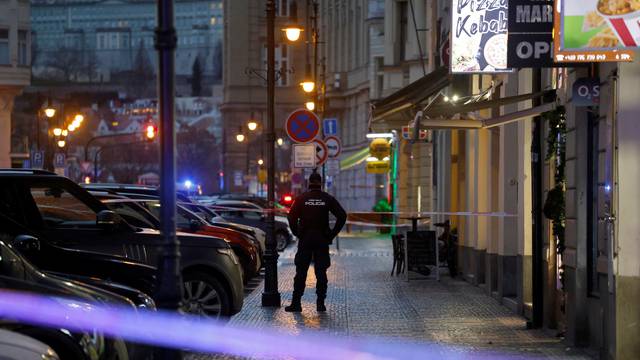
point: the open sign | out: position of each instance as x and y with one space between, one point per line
586 92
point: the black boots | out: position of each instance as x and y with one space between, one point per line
295 306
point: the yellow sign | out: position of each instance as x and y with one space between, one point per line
262 175
378 167
379 148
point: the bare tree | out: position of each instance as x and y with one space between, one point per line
91 64
65 62
196 78
143 73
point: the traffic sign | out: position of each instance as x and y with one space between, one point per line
59 160
304 155
330 126
377 167
407 133
37 159
333 167
302 126
322 152
334 145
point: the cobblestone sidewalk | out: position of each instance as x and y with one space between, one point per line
363 299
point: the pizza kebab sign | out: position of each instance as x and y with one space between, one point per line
479 36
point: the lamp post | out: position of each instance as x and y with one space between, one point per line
169 282
270 295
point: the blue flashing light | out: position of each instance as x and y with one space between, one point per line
188 184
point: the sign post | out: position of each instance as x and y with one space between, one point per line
330 126
304 156
302 126
322 153
334 146
37 159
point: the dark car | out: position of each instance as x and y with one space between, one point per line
147 214
18 274
61 213
251 214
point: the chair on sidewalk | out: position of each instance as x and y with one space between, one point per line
398 254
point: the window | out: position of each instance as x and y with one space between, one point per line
282 8
281 63
58 208
4 46
22 48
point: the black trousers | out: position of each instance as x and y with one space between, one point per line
321 262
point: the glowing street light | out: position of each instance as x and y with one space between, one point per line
260 162
310 105
61 143
71 127
280 141
65 132
292 32
308 86
240 137
57 131
79 118
252 125
50 112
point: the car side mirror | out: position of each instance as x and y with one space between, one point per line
195 225
26 243
107 219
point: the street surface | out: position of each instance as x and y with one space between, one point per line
363 299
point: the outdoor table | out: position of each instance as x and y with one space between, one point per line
414 220
414 231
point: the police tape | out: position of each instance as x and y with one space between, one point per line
173 330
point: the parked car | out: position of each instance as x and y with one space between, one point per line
15 346
147 214
248 213
18 274
60 212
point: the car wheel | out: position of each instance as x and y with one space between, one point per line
282 240
203 295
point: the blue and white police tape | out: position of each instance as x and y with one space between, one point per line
173 330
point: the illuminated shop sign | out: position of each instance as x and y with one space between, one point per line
479 36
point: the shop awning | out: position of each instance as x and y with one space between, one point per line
445 115
354 159
397 105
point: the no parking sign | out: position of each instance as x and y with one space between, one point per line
302 126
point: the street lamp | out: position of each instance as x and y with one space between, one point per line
260 162
280 141
61 143
292 30
57 131
252 125
71 127
308 86
240 137
50 112
65 132
310 105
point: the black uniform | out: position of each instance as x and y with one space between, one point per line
309 221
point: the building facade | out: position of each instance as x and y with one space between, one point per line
492 164
15 70
102 41
244 90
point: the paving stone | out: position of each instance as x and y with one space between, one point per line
363 299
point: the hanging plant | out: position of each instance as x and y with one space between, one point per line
554 205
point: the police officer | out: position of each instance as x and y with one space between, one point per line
309 221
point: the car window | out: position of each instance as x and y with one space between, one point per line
252 215
59 208
181 221
131 215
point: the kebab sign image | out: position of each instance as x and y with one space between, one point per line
601 24
479 36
